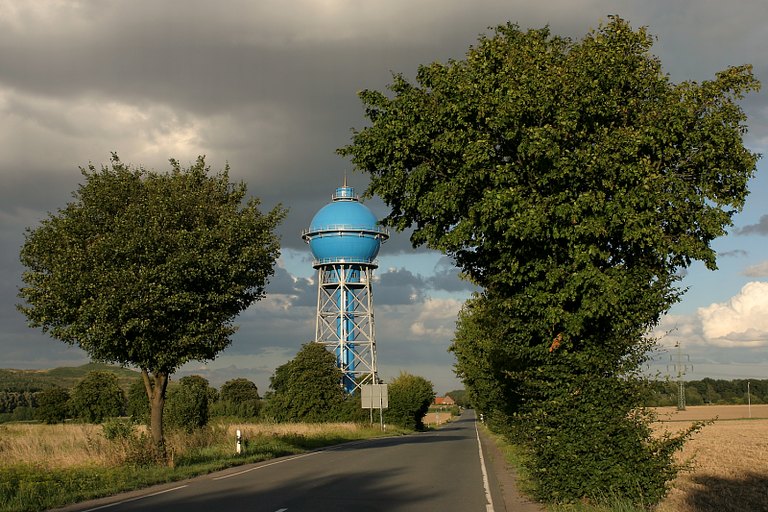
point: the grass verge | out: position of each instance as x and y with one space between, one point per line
515 457
39 486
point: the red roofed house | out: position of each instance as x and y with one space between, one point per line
444 400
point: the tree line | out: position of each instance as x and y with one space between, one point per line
305 389
709 391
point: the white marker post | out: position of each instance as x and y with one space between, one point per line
239 443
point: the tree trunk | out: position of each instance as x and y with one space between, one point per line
155 387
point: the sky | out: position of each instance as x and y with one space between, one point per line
270 88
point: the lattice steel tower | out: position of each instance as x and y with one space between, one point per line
345 237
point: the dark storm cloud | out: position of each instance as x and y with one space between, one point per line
399 286
446 277
271 88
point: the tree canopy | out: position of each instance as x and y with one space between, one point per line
149 269
307 388
573 181
97 397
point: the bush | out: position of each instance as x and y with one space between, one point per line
409 400
115 428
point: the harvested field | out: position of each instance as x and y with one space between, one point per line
710 412
728 459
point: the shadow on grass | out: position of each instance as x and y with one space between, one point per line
749 493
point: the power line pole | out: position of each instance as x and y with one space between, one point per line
681 368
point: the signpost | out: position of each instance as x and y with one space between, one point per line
375 396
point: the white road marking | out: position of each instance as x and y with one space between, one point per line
136 498
488 498
281 510
264 466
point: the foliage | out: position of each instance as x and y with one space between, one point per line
239 390
238 398
52 405
573 181
409 400
187 404
137 405
10 400
148 269
307 388
97 397
117 428
460 396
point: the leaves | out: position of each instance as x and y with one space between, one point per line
573 181
307 388
149 269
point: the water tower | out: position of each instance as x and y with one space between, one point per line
345 237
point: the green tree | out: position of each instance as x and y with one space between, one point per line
52 405
307 388
97 397
573 181
239 390
240 398
187 404
149 269
409 400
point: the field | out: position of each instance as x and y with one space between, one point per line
728 460
71 445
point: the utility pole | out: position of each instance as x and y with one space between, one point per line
681 368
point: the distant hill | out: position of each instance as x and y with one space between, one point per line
21 381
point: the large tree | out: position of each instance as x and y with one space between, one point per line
307 388
149 269
573 180
97 397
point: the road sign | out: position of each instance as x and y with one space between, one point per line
374 396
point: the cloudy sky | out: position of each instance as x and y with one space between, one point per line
270 87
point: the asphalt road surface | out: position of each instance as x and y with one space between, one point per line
440 471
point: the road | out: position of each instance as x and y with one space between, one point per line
433 471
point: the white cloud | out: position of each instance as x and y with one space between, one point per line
685 329
436 319
740 322
759 270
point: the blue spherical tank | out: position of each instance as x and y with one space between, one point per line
344 231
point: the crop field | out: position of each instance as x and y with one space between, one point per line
728 460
